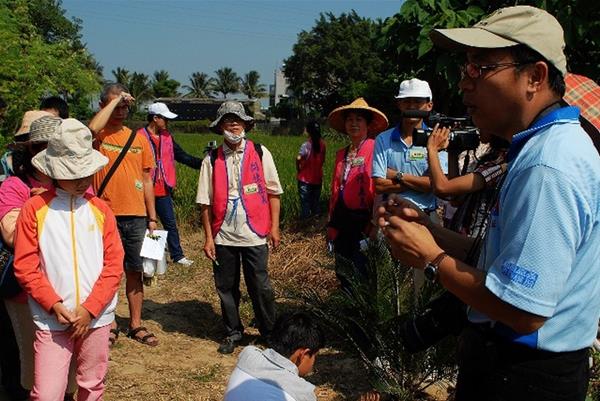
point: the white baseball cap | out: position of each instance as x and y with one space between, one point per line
414 88
161 109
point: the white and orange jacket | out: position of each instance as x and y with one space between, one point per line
68 249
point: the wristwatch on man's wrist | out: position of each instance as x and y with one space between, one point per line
399 176
431 268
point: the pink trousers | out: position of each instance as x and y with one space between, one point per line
53 352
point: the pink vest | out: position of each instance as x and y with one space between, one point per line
311 171
253 192
359 191
165 159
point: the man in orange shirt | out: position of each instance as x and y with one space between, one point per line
129 193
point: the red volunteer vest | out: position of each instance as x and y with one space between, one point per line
359 191
164 157
311 171
253 192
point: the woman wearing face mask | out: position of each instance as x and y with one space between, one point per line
352 190
238 191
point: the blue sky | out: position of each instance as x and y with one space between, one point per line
185 36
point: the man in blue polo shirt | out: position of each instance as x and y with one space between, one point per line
534 298
401 168
398 166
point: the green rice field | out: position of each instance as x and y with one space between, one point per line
284 150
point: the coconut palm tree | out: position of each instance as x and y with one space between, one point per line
122 76
163 85
201 85
251 87
140 88
227 81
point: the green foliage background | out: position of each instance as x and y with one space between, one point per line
343 57
42 55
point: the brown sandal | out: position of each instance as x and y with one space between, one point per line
143 339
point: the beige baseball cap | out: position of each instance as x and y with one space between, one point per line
508 27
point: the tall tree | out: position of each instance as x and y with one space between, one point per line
251 87
163 85
34 64
122 76
140 88
227 81
335 61
201 85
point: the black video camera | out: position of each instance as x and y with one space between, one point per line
210 146
463 136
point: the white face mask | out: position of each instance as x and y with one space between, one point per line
233 138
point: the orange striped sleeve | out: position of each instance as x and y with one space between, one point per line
27 259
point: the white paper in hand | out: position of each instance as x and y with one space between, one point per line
154 245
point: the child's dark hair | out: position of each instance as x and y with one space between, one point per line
58 103
293 331
314 130
21 161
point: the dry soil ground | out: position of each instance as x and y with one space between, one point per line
183 311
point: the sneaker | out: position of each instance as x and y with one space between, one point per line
185 262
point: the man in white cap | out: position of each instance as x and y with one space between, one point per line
239 191
166 152
534 297
399 167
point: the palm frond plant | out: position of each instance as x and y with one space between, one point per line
371 318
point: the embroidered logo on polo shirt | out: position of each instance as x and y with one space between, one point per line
519 275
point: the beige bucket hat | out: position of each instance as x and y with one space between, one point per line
29 117
510 26
235 108
69 155
378 123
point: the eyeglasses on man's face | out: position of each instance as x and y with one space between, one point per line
474 70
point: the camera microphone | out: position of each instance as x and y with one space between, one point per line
415 114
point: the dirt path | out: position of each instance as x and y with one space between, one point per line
183 311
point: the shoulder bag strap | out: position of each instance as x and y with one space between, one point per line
113 168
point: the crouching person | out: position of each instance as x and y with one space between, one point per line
68 259
238 191
275 374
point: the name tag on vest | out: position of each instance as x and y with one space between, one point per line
358 161
250 189
415 154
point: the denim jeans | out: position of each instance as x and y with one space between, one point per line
166 214
309 199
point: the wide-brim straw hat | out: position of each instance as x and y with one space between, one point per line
235 108
379 121
70 154
29 117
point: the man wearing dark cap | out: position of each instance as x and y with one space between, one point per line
534 296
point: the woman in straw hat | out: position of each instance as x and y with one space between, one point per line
69 261
352 190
